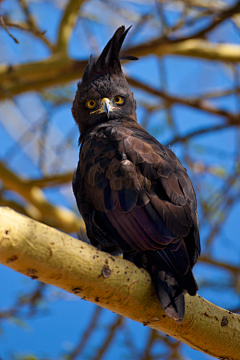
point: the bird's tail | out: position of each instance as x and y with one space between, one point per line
170 285
170 294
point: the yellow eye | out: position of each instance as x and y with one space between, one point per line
90 104
118 100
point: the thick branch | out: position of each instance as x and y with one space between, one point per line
44 253
59 69
193 47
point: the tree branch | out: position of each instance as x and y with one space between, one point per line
59 69
52 180
218 19
192 47
50 256
32 24
56 216
2 22
67 24
199 104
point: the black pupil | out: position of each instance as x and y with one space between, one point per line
117 99
91 103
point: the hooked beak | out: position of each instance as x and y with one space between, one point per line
105 107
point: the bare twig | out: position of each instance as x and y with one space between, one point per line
218 19
83 339
35 32
195 103
111 333
151 339
32 24
6 29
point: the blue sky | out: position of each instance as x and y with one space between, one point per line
64 317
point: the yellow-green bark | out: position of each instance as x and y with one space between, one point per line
53 257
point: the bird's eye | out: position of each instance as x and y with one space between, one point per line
90 104
119 100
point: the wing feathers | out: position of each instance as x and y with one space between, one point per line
145 200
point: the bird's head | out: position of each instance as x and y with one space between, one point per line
103 93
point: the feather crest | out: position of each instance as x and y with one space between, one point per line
109 59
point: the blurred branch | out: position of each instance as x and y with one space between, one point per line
198 132
67 24
149 345
44 253
51 181
60 69
222 265
200 104
30 300
59 217
84 338
32 24
57 69
111 333
29 17
35 32
218 19
15 206
2 22
192 47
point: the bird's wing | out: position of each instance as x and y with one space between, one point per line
141 189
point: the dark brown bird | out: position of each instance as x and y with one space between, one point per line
133 193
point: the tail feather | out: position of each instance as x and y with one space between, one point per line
170 283
170 295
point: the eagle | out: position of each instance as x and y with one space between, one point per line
134 195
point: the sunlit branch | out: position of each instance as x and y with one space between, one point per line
50 256
195 48
51 181
59 69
